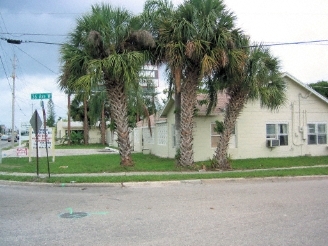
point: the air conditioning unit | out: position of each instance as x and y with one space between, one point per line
273 143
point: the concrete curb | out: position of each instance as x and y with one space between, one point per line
153 184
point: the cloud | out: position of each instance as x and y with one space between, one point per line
24 105
37 67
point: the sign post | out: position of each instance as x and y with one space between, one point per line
36 125
45 132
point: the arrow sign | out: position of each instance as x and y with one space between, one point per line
36 125
36 122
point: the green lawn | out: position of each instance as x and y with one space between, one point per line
109 163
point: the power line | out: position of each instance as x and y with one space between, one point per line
32 34
16 41
290 43
36 60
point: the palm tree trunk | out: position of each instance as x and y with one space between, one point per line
69 118
177 107
85 122
118 104
188 102
236 104
103 125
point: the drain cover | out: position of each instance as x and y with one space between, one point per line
74 215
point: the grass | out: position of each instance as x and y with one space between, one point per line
80 146
109 163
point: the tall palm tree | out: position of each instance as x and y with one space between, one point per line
71 70
212 35
161 18
194 42
115 48
97 111
259 79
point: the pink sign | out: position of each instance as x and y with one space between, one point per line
21 151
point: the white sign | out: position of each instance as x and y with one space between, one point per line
149 76
42 140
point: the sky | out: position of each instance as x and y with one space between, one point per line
37 65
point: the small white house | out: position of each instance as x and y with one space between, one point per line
62 126
298 128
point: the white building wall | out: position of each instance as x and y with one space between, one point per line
301 108
161 139
202 138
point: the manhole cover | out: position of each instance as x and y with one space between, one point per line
74 215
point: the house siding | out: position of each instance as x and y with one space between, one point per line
303 106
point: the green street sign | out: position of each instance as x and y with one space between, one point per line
41 96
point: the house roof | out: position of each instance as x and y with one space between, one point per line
222 100
152 118
306 87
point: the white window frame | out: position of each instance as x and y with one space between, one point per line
317 133
277 134
216 134
174 139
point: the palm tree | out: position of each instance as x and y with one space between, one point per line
71 70
212 36
194 42
259 79
115 48
160 17
97 111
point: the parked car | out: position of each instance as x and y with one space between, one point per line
9 138
4 137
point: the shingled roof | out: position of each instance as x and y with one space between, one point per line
202 104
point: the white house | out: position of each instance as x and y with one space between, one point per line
298 128
62 126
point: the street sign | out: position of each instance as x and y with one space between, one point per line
36 121
41 96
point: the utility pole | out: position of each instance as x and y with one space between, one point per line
13 104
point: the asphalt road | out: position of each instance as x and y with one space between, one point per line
288 211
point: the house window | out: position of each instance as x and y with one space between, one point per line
215 136
317 133
174 140
277 131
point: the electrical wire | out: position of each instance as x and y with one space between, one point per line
289 43
33 34
36 60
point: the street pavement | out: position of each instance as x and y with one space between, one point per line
283 211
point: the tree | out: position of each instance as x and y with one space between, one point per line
115 48
212 36
51 113
258 79
320 87
160 17
193 40
99 110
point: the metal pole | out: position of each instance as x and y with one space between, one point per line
37 145
13 104
45 135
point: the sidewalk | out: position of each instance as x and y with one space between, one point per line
61 152
44 175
